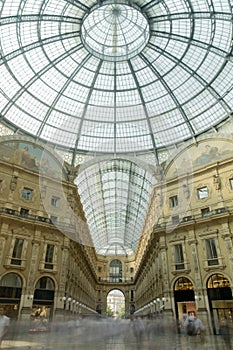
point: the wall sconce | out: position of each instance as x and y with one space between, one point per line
158 299
69 299
197 298
73 301
30 297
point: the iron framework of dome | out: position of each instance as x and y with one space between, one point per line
115 77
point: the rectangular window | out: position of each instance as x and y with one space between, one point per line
179 257
205 212
24 212
99 269
55 201
17 252
115 274
49 256
27 193
202 192
175 220
131 270
231 183
211 250
173 201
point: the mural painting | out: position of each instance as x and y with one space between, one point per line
30 156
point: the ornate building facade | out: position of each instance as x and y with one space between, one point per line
184 257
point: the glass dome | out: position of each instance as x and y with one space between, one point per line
171 78
115 77
115 32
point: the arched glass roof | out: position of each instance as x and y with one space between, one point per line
116 77
115 194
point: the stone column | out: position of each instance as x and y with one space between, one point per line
59 302
28 292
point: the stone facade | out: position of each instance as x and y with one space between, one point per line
184 256
184 260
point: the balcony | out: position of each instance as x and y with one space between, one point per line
205 214
35 218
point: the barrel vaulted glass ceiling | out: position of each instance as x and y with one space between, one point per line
104 77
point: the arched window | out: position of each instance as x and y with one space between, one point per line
45 283
220 300
183 283
11 280
218 287
11 286
44 291
218 280
115 273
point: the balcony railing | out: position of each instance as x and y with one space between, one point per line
35 218
168 221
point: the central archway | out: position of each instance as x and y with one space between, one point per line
115 304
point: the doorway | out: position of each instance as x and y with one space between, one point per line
184 300
115 304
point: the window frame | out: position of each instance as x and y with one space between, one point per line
202 195
211 251
231 183
17 252
173 201
49 256
205 212
55 201
24 213
115 270
179 256
175 220
27 193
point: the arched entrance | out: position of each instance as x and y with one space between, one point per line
220 300
10 294
115 304
44 295
184 299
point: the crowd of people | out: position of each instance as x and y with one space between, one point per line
136 330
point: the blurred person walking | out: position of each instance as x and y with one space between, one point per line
224 331
139 331
4 324
193 327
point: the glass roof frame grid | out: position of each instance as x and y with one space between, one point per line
99 190
162 120
145 111
198 77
